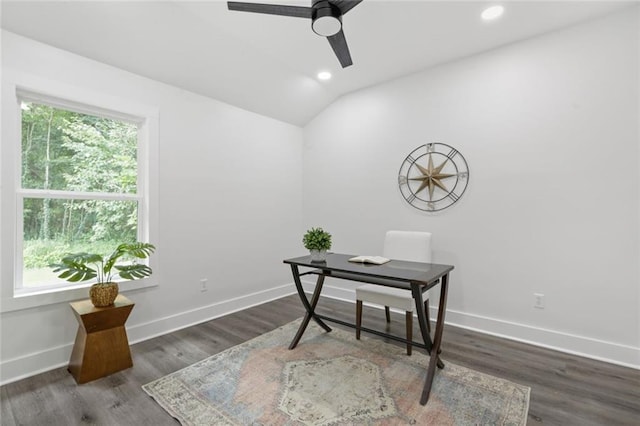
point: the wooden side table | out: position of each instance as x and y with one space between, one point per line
101 346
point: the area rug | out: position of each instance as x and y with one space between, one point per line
332 379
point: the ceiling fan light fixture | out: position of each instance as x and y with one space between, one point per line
325 16
326 20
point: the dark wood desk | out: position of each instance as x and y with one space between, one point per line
101 346
414 276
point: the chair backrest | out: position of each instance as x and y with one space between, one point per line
414 246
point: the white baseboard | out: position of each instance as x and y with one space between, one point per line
12 370
614 353
160 326
38 362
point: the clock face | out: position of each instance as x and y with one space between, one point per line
433 177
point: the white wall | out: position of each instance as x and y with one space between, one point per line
549 127
229 191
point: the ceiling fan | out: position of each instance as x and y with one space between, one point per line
325 15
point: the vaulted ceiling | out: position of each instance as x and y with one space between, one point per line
268 64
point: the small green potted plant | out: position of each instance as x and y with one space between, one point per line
85 266
317 241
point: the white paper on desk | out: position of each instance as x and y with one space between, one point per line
376 260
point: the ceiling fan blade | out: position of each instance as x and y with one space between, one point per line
339 45
345 5
271 9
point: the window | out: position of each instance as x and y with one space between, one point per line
80 188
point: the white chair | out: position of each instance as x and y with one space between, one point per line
413 246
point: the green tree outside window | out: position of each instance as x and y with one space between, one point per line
79 160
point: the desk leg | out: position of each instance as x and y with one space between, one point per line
422 321
422 318
309 306
437 340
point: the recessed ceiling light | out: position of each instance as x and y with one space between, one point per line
324 75
492 13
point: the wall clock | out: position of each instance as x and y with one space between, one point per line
433 177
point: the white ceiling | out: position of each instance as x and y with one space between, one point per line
268 64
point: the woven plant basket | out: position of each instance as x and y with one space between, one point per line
103 294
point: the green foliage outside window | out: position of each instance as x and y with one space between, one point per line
74 152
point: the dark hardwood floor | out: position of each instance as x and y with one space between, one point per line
565 389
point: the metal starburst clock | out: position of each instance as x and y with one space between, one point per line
433 177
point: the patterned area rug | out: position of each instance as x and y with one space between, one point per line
332 379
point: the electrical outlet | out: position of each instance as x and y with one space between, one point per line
203 284
538 300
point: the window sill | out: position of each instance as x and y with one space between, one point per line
34 300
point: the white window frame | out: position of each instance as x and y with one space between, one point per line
12 195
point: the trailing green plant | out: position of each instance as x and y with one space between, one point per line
85 266
317 239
